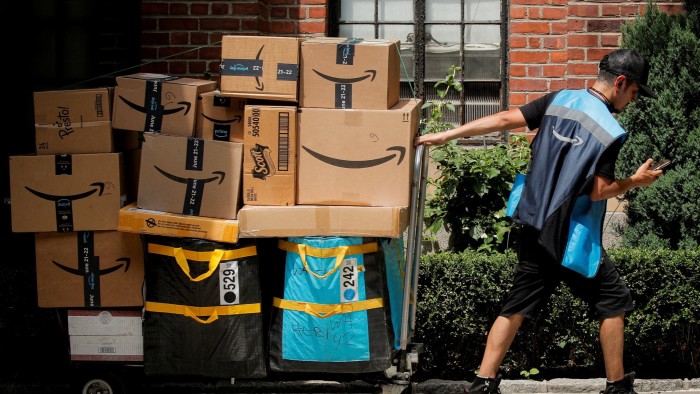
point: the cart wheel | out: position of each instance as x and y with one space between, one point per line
100 383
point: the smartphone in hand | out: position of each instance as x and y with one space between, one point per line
661 164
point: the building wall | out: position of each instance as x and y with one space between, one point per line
553 44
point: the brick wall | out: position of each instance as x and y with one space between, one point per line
557 44
183 37
553 44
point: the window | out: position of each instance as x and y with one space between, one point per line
436 34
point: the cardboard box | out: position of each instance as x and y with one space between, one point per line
349 73
89 269
158 103
66 108
145 221
105 322
269 165
106 348
81 137
220 117
310 220
260 67
190 176
81 192
365 158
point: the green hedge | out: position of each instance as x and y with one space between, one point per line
459 296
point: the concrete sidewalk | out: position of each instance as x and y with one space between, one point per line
563 386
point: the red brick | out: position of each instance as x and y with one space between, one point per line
313 1
273 2
556 42
534 42
516 99
610 40
575 25
671 9
198 67
534 71
178 24
210 52
529 27
554 70
199 9
583 68
559 27
175 68
585 10
179 38
610 10
528 85
518 12
155 39
559 56
251 25
220 23
529 56
604 25
178 9
517 70
629 10
199 38
298 12
576 54
595 54
220 9
515 42
279 12
553 13
246 9
312 27
156 68
583 40
317 12
282 27
154 8
576 83
177 52
558 84
528 2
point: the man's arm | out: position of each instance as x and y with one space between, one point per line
604 188
504 120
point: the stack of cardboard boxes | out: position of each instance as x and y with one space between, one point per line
303 137
69 193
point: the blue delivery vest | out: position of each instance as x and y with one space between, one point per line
574 133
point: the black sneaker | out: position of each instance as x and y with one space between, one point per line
624 386
484 385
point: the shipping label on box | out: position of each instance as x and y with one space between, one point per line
357 157
190 176
322 221
349 73
158 103
64 109
269 163
89 269
105 322
147 221
106 348
66 192
260 67
220 117
81 137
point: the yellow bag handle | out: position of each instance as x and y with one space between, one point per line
195 311
339 252
214 257
323 311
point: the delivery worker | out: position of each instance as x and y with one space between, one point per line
561 207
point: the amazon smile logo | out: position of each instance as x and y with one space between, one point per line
126 263
220 175
99 188
235 119
343 163
574 141
370 74
182 106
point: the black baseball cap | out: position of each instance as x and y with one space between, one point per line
632 65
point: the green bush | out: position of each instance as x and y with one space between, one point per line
666 214
460 295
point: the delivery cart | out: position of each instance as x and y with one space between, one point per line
124 377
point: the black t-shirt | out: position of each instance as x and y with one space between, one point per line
534 112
